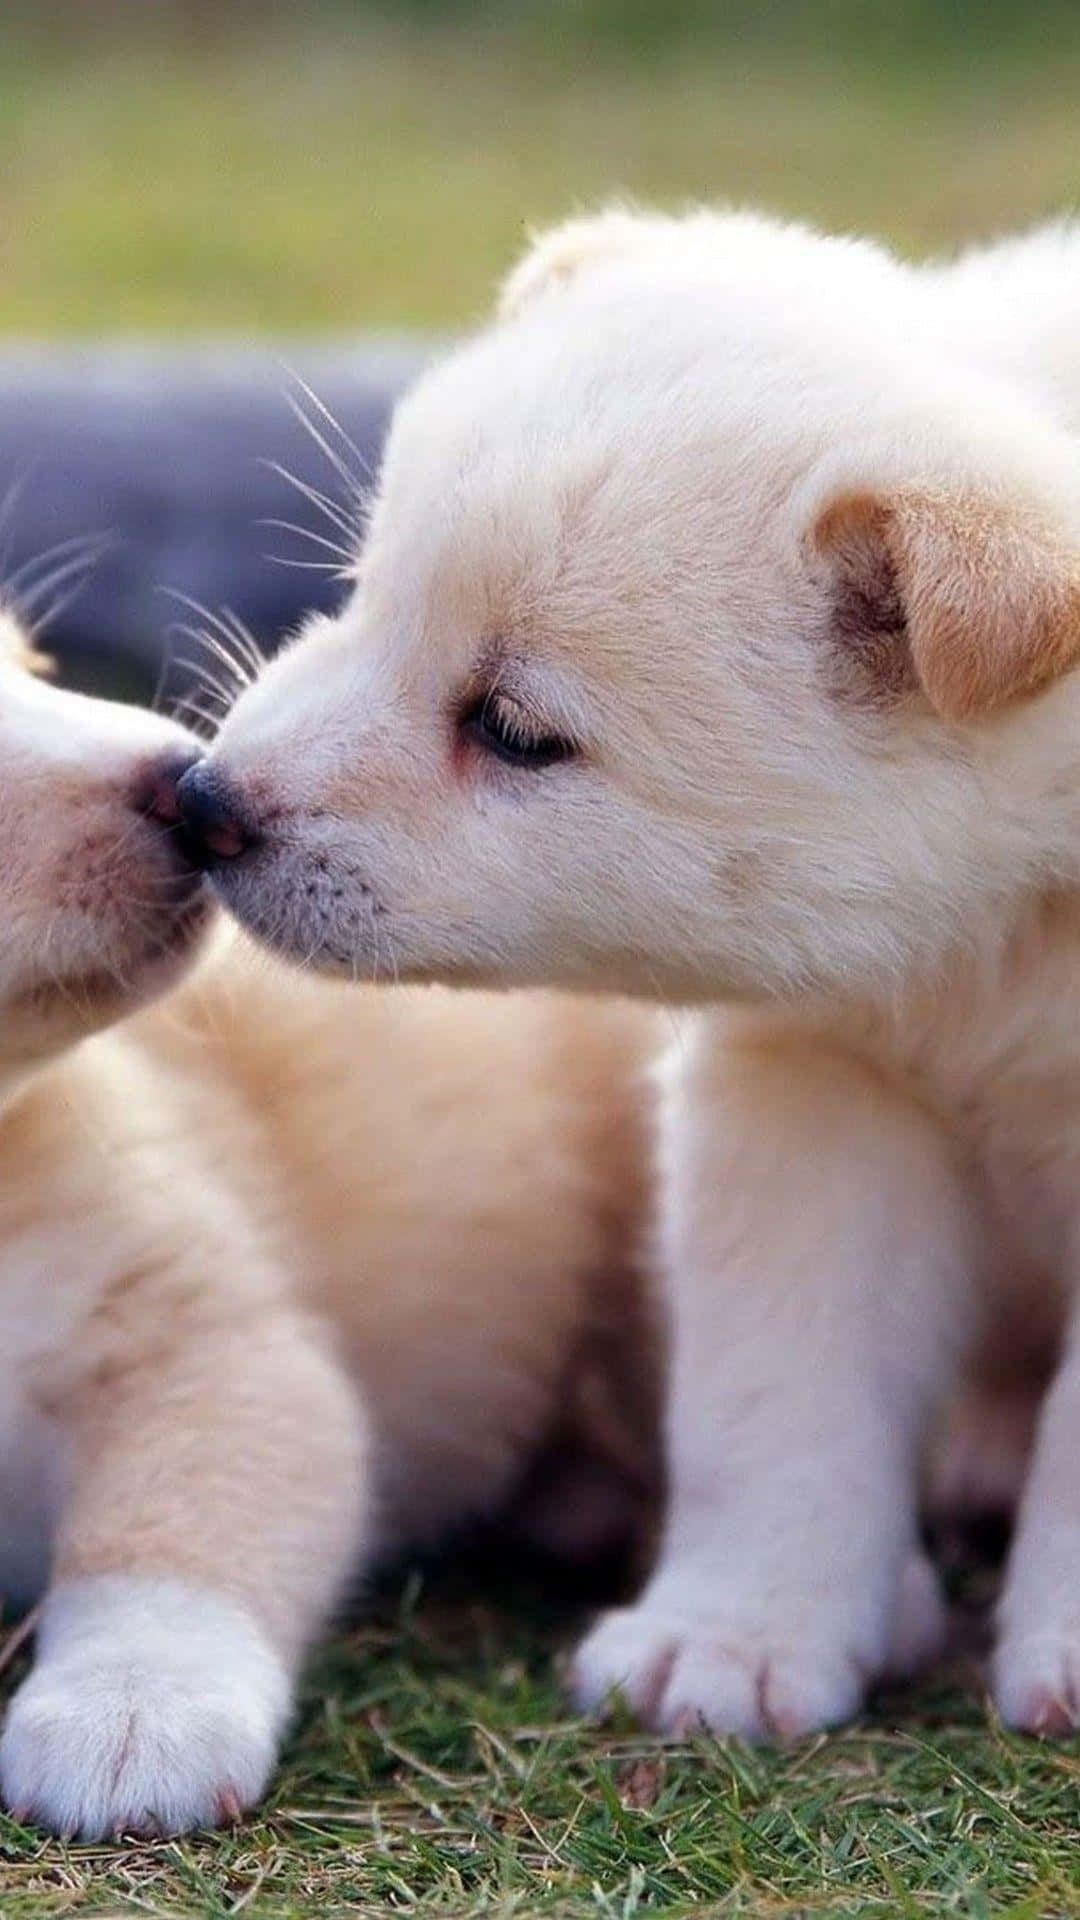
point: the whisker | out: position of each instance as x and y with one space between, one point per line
223 651
217 635
361 469
130 831
330 509
209 688
335 570
9 502
249 647
164 669
199 720
40 591
335 547
210 684
42 619
200 638
76 547
354 482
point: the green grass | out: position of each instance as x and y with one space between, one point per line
349 174
436 1771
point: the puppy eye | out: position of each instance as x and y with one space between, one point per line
501 725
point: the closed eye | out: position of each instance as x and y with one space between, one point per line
502 726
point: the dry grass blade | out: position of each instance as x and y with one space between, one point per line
17 1637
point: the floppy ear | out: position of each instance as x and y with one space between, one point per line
557 257
973 598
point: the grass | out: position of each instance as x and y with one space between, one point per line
347 174
435 1771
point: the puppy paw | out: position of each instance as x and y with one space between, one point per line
1036 1683
678 1676
152 1707
683 1657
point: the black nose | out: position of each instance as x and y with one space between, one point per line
213 815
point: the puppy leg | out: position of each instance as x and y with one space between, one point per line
978 1464
920 1620
821 1253
217 1495
1036 1669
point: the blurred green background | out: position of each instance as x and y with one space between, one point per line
202 166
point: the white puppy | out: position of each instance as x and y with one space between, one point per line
286 1285
713 640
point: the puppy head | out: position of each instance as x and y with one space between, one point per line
693 648
100 904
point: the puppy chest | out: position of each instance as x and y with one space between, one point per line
1017 1126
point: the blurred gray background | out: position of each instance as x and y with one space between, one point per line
215 217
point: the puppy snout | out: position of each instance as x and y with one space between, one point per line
155 790
213 815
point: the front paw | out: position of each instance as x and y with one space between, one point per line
690 1655
1036 1681
766 1683
152 1707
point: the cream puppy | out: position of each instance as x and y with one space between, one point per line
713 640
286 1286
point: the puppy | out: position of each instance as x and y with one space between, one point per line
714 641
286 1286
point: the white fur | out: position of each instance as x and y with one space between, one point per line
282 1293
153 1706
809 1338
95 896
822 764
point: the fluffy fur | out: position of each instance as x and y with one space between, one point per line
286 1287
714 640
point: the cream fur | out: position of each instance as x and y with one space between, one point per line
782 538
287 1285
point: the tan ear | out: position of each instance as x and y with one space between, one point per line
556 258
973 598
